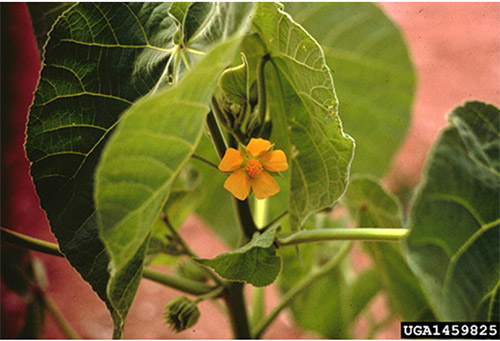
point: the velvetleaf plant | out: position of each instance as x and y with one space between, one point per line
148 112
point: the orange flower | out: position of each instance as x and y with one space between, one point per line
249 169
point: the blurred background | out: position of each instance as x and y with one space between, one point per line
455 48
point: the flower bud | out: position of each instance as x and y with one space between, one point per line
181 314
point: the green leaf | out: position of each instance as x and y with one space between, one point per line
374 76
155 139
303 106
372 206
255 262
455 219
183 198
43 15
100 58
91 74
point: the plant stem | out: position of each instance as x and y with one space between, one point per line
258 305
301 286
233 294
60 319
180 283
364 234
176 282
245 219
30 242
235 301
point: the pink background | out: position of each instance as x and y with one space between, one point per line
455 48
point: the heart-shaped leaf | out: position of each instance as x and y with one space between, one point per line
304 110
455 220
96 63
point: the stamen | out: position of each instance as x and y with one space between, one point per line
253 168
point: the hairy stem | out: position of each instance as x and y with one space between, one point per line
299 287
176 282
364 234
235 301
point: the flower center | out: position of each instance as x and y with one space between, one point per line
253 168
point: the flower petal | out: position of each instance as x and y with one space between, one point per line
232 160
274 161
238 184
264 185
257 147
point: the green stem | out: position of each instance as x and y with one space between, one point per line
258 305
179 283
364 234
303 284
30 242
233 294
235 301
245 219
60 319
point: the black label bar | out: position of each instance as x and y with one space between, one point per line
450 330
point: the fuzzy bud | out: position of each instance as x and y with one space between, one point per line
181 314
